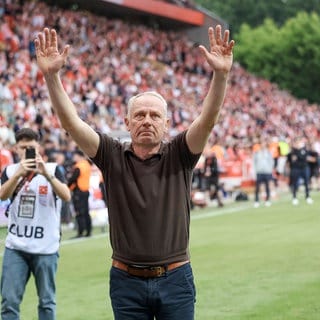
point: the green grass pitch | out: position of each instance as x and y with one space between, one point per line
249 264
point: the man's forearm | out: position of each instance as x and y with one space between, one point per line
61 102
61 189
201 127
7 189
214 100
84 136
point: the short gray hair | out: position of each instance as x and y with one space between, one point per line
150 93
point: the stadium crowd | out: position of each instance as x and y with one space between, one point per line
121 60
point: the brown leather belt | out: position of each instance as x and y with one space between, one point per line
147 271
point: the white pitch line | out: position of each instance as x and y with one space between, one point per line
219 213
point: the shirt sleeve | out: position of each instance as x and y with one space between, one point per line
188 159
74 177
4 176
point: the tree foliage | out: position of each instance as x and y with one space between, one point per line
288 55
277 40
253 13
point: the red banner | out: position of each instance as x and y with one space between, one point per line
161 8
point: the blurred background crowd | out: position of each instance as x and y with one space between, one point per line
110 61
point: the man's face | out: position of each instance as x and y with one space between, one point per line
24 144
299 144
147 121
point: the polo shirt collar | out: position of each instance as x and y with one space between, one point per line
128 149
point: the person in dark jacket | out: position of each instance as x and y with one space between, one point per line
297 161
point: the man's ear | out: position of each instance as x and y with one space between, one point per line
126 121
167 126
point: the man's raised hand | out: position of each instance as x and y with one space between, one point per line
220 55
49 59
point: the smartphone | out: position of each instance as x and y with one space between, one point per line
31 154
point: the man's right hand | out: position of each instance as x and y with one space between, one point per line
49 59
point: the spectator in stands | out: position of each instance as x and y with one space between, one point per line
79 184
253 105
148 182
263 163
297 160
33 237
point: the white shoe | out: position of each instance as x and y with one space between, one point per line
256 205
267 204
295 201
309 200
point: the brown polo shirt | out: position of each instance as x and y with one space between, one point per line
148 200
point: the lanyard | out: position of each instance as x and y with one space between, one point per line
25 179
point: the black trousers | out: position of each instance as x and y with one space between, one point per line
296 175
80 201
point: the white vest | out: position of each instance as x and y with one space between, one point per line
34 215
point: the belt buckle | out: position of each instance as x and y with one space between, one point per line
147 271
159 271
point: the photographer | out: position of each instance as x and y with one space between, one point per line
35 189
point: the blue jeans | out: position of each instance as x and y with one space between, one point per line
17 267
169 297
